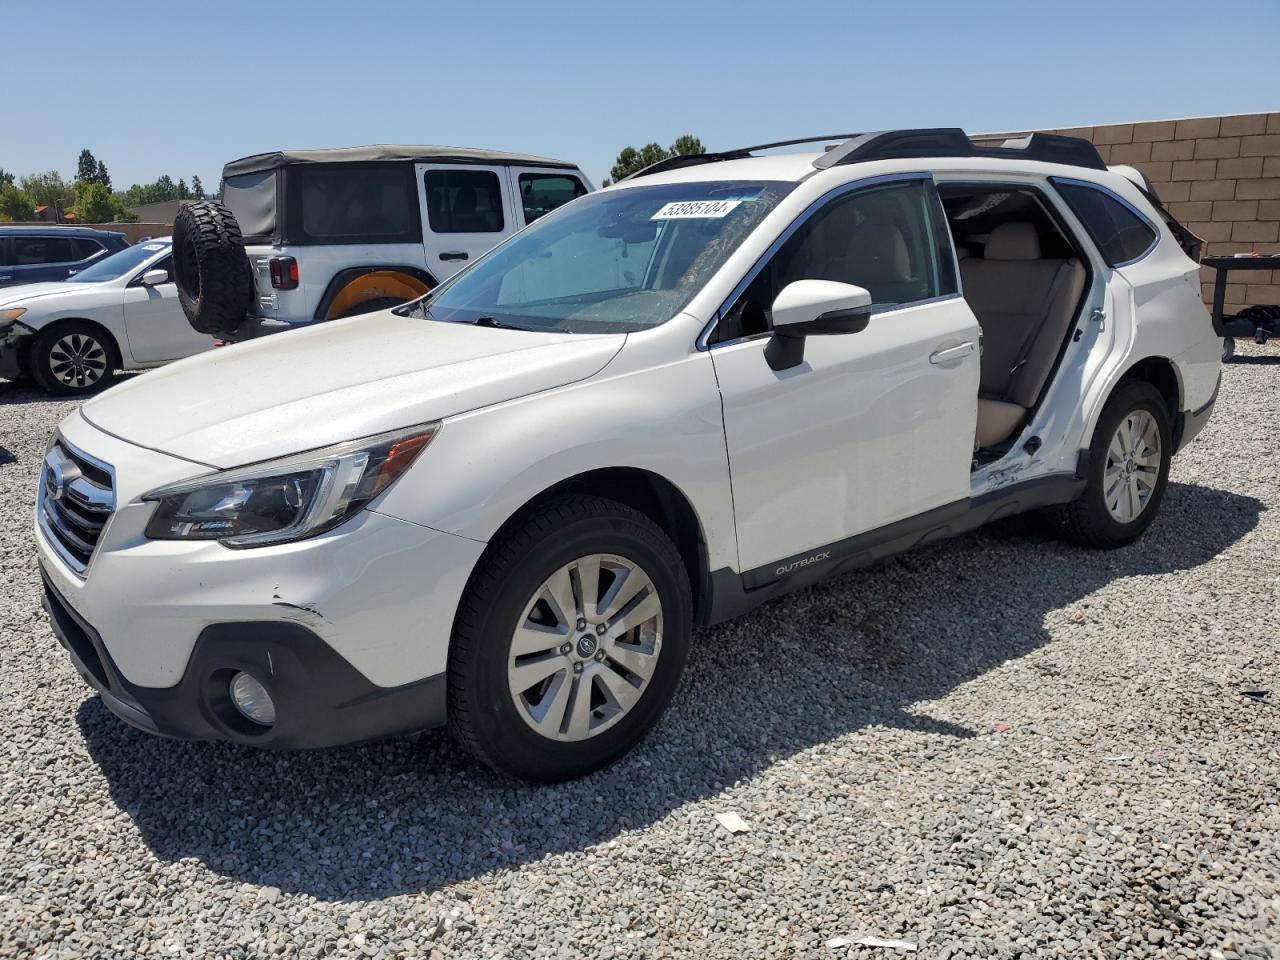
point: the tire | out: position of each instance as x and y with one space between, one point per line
211 270
1092 520
73 358
487 714
369 306
1228 348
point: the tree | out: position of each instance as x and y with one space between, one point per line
197 188
94 202
631 160
87 168
14 204
6 178
101 176
47 188
183 192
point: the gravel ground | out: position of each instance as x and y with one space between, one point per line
1001 746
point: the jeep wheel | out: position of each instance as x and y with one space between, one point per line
570 641
72 359
1128 469
211 270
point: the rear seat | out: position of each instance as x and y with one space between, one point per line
1025 305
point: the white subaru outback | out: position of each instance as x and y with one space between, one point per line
507 505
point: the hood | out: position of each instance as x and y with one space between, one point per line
337 381
19 295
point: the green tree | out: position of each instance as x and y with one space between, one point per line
47 188
197 188
101 176
87 167
14 204
183 192
631 160
95 202
6 178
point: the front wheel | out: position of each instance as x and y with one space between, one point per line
1129 462
570 641
72 359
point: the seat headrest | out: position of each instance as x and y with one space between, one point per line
1013 241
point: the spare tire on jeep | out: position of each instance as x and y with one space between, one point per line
211 270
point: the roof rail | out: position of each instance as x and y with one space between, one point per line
954 142
901 144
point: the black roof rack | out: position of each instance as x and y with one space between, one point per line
900 144
954 142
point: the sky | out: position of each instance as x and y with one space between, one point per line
181 88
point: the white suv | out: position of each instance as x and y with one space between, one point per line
508 505
312 235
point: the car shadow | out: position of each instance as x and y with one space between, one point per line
1258 359
415 813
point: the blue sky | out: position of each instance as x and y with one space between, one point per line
181 88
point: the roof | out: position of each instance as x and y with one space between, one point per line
56 229
262 162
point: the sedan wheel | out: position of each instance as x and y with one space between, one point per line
586 647
78 361
1133 466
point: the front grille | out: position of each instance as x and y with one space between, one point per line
76 499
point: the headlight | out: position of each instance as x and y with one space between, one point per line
287 499
7 317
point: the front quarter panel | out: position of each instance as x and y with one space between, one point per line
642 411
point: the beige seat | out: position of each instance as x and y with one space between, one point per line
1025 305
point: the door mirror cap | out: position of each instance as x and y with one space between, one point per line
153 278
808 308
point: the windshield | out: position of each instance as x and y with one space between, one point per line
609 262
118 264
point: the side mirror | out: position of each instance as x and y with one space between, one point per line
808 308
153 278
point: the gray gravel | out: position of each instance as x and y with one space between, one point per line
1002 746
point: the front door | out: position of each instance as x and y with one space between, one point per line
872 427
154 322
466 211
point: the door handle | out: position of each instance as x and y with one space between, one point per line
454 255
947 354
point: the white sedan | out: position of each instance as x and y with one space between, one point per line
121 313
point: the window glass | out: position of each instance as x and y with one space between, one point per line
87 248
612 262
464 201
1119 233
540 193
881 238
36 250
341 203
118 264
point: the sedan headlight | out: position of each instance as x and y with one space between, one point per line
287 499
10 316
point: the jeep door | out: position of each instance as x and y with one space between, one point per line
871 427
466 211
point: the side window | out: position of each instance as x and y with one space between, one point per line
1120 235
540 193
464 201
884 238
87 248
353 203
31 251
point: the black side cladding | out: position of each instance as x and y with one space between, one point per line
211 269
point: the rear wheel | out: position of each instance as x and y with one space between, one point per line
1129 462
570 641
72 359
211 269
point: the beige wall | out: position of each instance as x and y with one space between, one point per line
1220 176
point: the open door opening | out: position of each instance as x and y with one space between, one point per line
1025 279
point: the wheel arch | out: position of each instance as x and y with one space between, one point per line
110 339
651 494
344 278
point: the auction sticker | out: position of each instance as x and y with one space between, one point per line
695 209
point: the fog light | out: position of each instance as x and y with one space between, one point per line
252 700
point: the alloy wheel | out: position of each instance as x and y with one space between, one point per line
585 647
78 360
1133 466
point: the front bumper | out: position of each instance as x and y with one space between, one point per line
320 699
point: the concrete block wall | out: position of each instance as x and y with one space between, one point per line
1220 176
